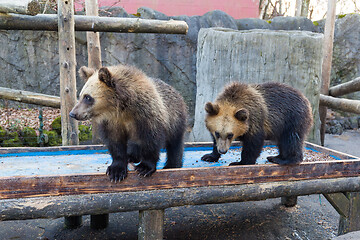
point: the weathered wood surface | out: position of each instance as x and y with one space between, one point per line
30 97
30 7
340 202
345 88
346 105
67 58
256 56
48 22
352 222
151 224
34 186
54 207
327 60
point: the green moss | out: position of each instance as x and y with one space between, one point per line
29 137
52 138
341 16
315 23
85 133
269 21
56 125
12 140
2 134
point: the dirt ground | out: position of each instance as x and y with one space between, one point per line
312 218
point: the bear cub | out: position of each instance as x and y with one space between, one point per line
255 112
136 116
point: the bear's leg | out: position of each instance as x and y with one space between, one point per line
148 164
290 149
251 149
174 152
133 152
214 156
117 171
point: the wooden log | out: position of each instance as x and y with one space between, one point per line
352 222
69 126
48 22
342 104
345 88
73 222
151 225
327 60
340 202
29 7
59 206
33 186
290 201
30 97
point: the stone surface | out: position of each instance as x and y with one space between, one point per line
256 56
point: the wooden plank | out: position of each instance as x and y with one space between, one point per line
345 88
34 186
340 202
327 60
49 22
30 7
346 105
59 206
352 222
30 97
151 225
67 56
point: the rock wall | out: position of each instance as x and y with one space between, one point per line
29 59
256 56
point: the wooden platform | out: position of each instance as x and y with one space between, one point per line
71 181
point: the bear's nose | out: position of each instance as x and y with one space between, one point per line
72 115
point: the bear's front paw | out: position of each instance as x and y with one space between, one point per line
145 170
116 172
209 158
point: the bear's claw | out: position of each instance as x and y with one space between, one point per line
209 158
116 173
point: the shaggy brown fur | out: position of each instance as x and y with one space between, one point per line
257 112
137 116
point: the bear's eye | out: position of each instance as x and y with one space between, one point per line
217 134
230 136
88 99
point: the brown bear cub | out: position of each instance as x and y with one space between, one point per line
255 112
137 116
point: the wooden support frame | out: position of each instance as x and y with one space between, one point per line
151 224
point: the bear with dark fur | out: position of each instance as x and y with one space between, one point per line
136 116
255 112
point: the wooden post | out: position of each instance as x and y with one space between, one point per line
352 222
290 201
298 8
151 224
69 126
327 60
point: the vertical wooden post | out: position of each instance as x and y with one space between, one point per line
151 224
94 54
298 8
69 126
67 56
327 60
290 201
352 222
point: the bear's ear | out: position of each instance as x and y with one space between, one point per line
85 73
105 77
212 109
241 114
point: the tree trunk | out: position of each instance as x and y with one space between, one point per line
342 104
345 88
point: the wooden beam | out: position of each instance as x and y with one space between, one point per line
59 206
327 61
48 22
342 104
30 97
340 202
33 186
29 7
345 88
69 126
